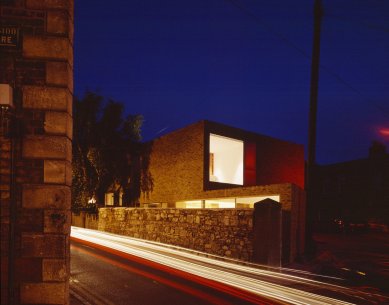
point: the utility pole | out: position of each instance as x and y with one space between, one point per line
311 162
317 11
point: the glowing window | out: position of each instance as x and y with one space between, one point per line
220 204
190 204
248 202
225 160
109 199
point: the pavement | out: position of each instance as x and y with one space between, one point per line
75 301
82 296
360 258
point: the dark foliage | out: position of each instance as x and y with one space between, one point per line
107 153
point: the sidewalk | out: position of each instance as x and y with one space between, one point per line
75 301
76 298
362 259
79 295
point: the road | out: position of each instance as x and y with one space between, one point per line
99 277
366 252
112 269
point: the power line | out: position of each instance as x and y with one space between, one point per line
269 28
364 24
352 88
302 52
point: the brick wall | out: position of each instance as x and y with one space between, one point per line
5 188
39 69
177 165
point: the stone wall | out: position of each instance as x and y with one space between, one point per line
85 220
292 199
35 190
225 232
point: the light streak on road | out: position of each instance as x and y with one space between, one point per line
243 277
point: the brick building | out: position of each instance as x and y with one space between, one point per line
356 190
36 60
210 165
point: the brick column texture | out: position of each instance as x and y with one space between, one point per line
35 204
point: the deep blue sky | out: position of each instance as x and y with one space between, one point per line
178 62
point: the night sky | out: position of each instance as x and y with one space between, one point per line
243 63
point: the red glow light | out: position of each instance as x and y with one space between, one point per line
384 131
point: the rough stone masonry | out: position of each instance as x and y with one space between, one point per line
224 232
35 160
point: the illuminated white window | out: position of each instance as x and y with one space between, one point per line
225 160
248 202
192 204
109 199
220 204
225 203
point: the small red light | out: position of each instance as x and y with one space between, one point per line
384 131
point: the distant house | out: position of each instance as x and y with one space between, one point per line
356 190
211 165
109 198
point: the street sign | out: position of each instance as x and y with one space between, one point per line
9 36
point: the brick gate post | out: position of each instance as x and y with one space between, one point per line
35 187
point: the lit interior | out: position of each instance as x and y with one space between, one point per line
225 203
109 199
248 202
191 204
220 203
225 160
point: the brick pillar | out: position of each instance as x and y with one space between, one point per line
36 207
5 171
267 226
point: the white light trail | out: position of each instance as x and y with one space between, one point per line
239 276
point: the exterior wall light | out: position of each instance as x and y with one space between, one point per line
6 98
6 107
92 200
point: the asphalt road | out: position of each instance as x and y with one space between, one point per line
360 252
113 269
98 277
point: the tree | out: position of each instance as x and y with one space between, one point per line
107 152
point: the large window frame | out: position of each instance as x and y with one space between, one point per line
225 160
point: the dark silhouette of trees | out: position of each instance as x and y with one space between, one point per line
107 153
